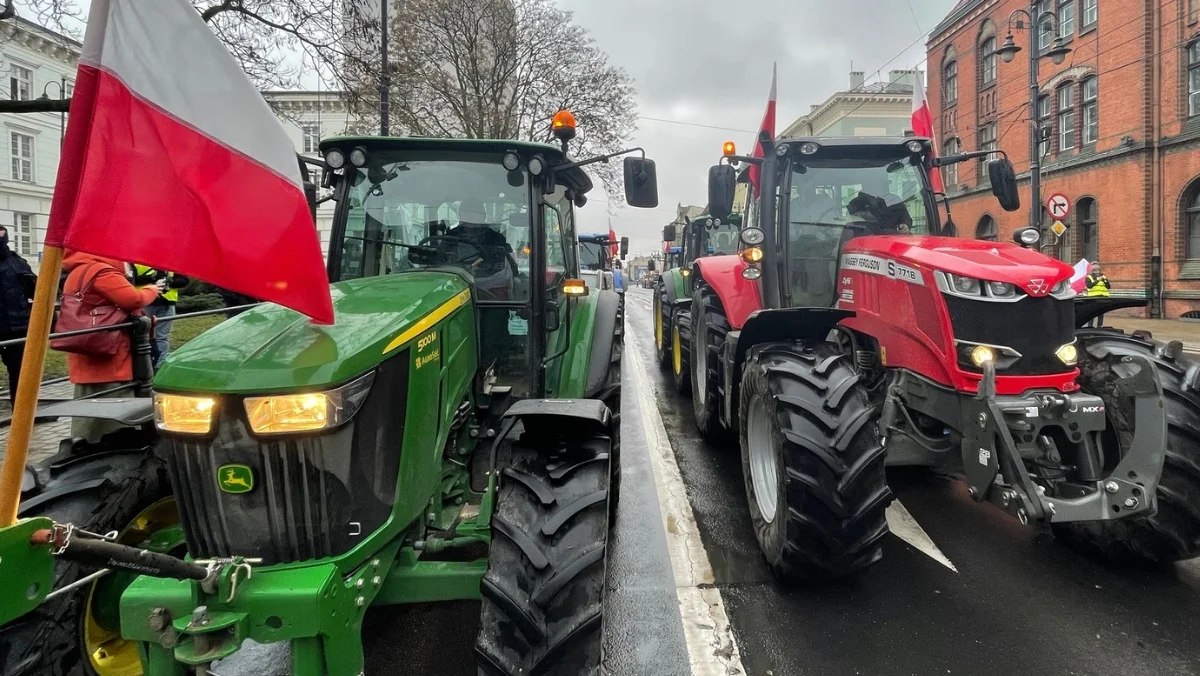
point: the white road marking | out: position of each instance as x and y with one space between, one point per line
712 650
904 526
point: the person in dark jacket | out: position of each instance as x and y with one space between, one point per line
16 290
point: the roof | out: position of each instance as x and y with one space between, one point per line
29 25
960 10
894 88
576 178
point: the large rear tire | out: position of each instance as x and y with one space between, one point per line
1173 532
543 593
78 634
708 339
812 463
662 328
681 332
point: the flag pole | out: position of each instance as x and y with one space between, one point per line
26 397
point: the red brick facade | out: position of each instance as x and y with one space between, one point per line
1128 160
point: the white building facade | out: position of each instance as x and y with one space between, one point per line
36 62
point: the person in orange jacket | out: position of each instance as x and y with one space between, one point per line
91 373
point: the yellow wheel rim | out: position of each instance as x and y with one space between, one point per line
109 654
658 328
676 352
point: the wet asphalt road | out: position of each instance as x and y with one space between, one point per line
1020 602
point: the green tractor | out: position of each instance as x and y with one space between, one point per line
700 237
452 436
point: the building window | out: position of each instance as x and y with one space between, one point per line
1046 27
1044 110
987 61
1066 18
950 84
22 157
1089 233
312 136
21 235
986 229
950 171
987 141
1194 79
69 91
20 83
1091 110
1066 117
1090 14
1192 221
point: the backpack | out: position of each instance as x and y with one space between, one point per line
77 313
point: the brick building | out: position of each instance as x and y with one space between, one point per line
1123 143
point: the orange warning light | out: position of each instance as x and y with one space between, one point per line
563 125
729 149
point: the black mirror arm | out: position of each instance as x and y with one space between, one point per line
599 158
963 157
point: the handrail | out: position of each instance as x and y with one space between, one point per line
130 324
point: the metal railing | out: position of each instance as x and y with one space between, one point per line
141 330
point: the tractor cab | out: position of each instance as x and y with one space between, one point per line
596 252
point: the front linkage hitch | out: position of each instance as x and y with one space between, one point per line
995 470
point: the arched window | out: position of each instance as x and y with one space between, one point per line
986 229
1193 61
987 62
950 171
1087 224
950 83
1191 221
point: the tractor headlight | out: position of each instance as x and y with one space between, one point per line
335 159
1068 354
1001 290
753 236
965 286
308 412
1027 236
982 354
915 147
1063 290
183 414
751 273
511 161
358 156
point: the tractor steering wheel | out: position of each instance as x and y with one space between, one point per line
471 260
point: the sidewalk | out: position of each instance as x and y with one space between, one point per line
1165 330
45 435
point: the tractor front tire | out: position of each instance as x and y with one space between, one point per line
101 493
681 368
543 593
812 463
1172 533
662 329
708 339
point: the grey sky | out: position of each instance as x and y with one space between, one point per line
709 62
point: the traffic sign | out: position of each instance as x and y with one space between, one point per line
1058 228
1059 206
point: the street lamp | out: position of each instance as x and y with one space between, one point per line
62 116
1058 54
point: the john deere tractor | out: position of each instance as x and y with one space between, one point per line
849 334
700 237
452 436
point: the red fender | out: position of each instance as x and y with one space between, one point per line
739 296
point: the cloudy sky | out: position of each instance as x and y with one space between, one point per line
708 62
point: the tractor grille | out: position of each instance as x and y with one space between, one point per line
313 496
1034 327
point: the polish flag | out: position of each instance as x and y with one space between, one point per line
768 124
922 125
612 238
1079 275
172 159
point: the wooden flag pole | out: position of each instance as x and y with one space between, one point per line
25 403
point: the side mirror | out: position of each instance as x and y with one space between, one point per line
1004 184
669 233
552 316
624 247
650 265
721 183
641 182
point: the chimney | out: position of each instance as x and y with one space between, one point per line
857 78
903 77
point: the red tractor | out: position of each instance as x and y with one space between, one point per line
853 332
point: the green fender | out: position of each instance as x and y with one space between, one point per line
593 329
673 283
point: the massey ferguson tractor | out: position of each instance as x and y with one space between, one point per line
452 436
702 236
849 335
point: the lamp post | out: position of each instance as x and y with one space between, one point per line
1057 53
62 116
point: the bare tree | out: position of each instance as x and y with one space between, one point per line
501 69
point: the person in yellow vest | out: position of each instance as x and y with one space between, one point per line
163 306
1097 285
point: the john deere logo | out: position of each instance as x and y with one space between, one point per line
235 479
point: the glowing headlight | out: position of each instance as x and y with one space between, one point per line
752 255
965 285
183 415
753 236
685 272
982 354
1001 289
308 412
1068 354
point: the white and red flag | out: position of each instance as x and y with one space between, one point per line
768 125
172 159
613 243
922 125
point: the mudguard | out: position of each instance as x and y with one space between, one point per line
672 282
739 296
1088 308
604 333
590 415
